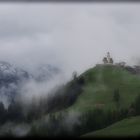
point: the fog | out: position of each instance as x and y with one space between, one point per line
72 36
34 90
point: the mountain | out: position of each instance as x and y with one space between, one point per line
9 73
11 77
46 72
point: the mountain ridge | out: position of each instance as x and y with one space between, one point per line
12 77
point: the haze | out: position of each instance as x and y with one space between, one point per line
72 36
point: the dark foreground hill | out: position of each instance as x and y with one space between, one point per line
128 127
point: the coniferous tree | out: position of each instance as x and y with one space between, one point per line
116 97
2 113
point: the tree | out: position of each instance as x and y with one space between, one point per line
14 112
74 75
116 97
137 105
105 60
2 110
2 113
111 60
81 81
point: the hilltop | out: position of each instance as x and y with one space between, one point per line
100 84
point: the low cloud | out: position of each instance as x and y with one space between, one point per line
31 89
72 36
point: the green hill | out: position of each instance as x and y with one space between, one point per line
126 127
91 95
100 83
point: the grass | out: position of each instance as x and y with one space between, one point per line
101 81
124 128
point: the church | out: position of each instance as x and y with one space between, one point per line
108 59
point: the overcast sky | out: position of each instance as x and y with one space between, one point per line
74 36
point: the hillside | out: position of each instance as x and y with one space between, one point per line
126 127
87 102
100 83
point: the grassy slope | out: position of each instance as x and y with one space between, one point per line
126 127
101 81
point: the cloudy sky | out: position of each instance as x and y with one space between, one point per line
73 36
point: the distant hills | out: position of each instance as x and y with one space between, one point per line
11 77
